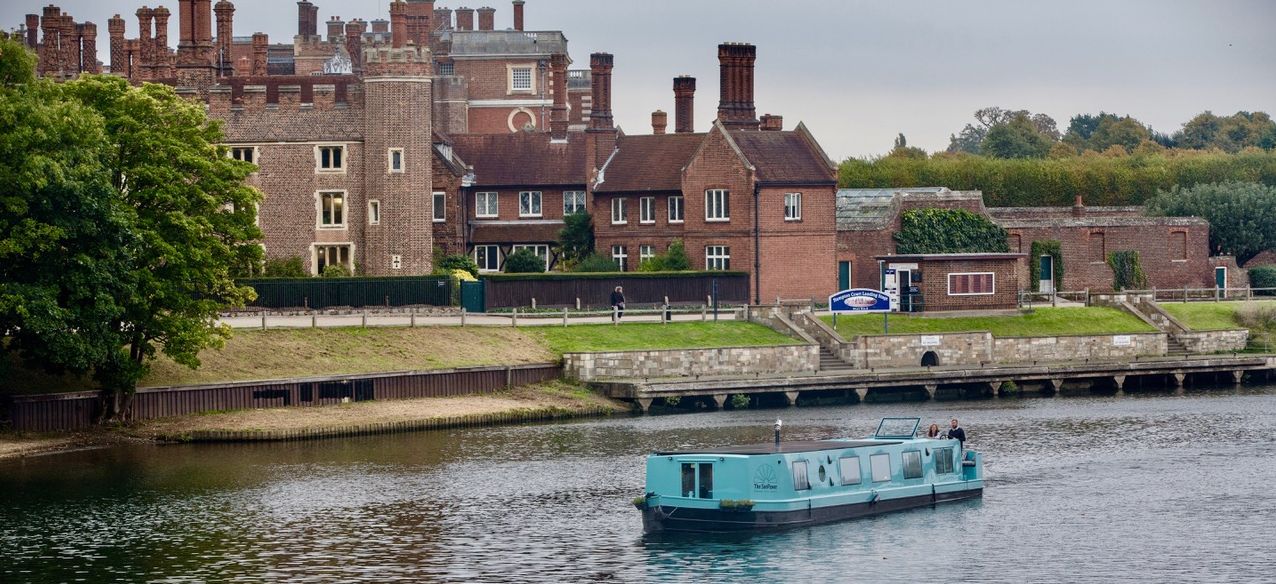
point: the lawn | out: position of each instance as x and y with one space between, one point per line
253 355
1210 316
1040 322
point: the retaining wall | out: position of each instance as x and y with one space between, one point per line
1078 348
729 361
1214 341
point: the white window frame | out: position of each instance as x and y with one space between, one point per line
950 283
536 248
314 255
717 254
646 251
345 209
792 206
681 215
439 210
526 208
496 256
646 210
483 201
389 162
447 69
717 205
319 168
374 212
619 215
620 255
578 202
531 78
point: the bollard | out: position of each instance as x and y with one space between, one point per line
564 317
514 321
314 321
263 321
704 313
577 304
365 319
462 317
615 315
533 303
668 316
412 322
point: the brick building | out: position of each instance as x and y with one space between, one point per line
959 281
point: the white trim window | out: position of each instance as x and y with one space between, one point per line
521 80
326 255
717 257
619 216
717 205
541 251
330 158
646 252
573 202
529 204
374 212
676 210
792 206
647 210
394 161
488 257
620 256
487 205
972 284
244 154
331 211
440 207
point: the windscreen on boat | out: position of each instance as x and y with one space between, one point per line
897 428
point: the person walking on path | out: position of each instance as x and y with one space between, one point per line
618 303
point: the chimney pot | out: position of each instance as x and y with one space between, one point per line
659 121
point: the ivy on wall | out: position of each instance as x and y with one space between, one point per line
1127 271
1053 249
949 231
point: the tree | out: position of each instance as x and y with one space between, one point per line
17 64
948 231
675 258
1229 134
902 149
1018 138
1098 133
576 239
1242 216
524 261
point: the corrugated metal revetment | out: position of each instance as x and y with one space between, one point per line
70 411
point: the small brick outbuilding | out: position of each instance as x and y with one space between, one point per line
958 281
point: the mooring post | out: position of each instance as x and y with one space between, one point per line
314 321
412 316
365 319
514 321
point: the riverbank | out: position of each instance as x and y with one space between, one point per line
25 445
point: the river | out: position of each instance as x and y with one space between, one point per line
1145 487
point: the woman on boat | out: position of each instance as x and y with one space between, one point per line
933 431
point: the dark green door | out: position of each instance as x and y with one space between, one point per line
1220 277
472 299
843 276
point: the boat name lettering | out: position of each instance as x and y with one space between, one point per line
764 479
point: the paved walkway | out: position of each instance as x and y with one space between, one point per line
373 319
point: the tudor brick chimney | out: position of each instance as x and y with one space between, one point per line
33 31
354 42
464 18
225 12
772 123
487 18
442 19
380 26
558 115
518 14
307 19
159 52
336 29
261 51
600 66
735 107
684 99
659 121
1078 207
398 24
119 56
145 45
88 48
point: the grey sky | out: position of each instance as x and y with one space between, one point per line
858 72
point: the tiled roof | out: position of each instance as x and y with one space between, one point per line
523 158
523 231
650 163
466 43
783 157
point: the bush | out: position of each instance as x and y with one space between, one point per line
1127 271
524 261
1263 277
457 261
595 263
675 258
336 271
739 401
1257 316
291 267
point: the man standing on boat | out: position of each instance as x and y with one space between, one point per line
955 431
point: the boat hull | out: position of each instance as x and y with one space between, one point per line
686 519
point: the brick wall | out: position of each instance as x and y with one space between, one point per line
1172 256
717 166
798 257
634 233
934 285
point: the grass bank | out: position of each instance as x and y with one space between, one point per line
1213 316
275 354
1090 320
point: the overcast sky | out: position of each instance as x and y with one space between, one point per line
858 72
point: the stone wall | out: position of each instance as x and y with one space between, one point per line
952 349
1078 348
908 350
1214 341
732 361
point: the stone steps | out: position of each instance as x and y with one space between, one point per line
830 362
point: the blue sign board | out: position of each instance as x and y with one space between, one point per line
860 300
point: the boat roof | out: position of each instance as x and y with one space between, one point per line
790 447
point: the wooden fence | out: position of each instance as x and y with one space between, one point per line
71 411
517 291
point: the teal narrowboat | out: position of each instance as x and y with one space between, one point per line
788 484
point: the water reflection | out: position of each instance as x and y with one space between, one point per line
1080 489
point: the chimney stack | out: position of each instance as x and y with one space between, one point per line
464 18
487 18
659 121
307 19
398 24
518 14
380 25
336 29
88 48
442 19
1078 207
261 51
354 42
600 66
225 36
772 123
558 115
684 98
159 53
119 58
145 44
33 31
735 107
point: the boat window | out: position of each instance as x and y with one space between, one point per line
801 481
881 465
943 460
688 479
850 470
913 464
706 480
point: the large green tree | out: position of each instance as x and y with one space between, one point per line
1242 216
1228 133
124 221
1020 137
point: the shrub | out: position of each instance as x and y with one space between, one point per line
336 271
457 261
576 239
949 231
739 401
675 258
652 264
1257 316
596 263
290 267
1263 277
524 261
1127 271
673 401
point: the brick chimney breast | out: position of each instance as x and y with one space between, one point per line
336 29
772 123
33 31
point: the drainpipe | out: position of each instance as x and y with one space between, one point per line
757 245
